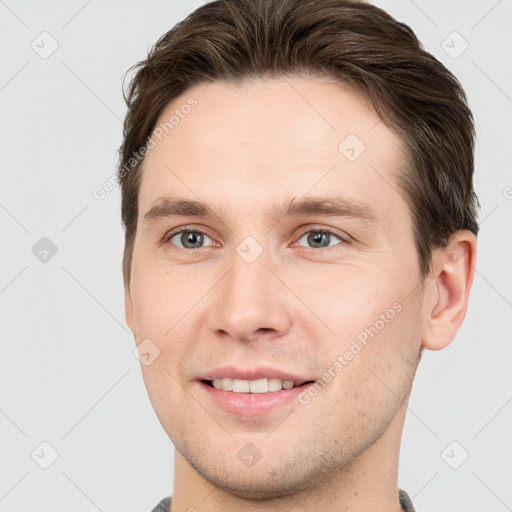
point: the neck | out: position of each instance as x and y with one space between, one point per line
368 483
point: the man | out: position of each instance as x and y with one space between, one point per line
300 225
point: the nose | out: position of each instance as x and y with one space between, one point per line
250 302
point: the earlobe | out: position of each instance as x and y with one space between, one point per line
451 280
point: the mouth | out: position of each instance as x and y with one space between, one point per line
255 391
254 398
256 386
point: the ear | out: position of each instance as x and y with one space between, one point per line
450 281
128 307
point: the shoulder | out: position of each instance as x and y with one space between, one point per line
164 505
405 501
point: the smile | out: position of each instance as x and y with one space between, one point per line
253 386
253 397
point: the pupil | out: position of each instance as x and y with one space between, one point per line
316 238
192 238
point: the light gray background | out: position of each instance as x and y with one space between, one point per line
68 373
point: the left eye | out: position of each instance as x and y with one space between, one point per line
320 238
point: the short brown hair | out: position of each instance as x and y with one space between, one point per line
350 41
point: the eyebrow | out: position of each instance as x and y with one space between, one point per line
307 206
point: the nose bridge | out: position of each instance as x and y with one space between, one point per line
248 298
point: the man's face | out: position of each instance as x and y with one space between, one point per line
248 288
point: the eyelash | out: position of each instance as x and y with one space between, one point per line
344 240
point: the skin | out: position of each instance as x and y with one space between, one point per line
243 149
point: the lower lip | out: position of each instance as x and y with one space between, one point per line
253 404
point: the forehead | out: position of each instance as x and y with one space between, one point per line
272 139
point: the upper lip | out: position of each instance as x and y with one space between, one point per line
253 374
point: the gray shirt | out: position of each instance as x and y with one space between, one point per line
405 501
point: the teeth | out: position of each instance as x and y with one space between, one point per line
258 386
227 384
275 384
241 386
253 386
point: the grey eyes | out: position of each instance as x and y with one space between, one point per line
189 239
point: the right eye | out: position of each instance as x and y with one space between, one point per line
187 238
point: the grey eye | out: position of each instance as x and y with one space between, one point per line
190 239
319 239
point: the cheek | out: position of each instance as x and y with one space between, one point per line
378 354
362 321
164 304
165 394
162 297
350 300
